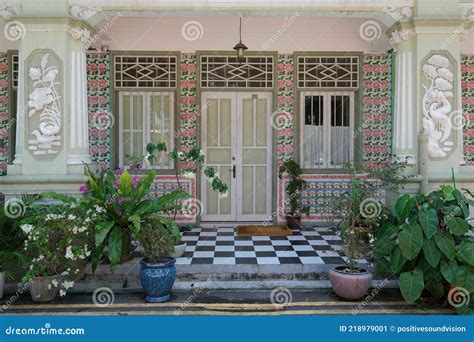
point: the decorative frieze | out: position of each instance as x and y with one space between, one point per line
80 33
84 12
399 36
437 105
403 13
44 104
7 10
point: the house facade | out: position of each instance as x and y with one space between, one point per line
323 83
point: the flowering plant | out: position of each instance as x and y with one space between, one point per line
127 203
60 243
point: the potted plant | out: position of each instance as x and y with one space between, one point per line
58 245
352 281
126 202
293 189
11 242
428 244
179 247
158 271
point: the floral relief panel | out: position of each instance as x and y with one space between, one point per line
4 122
283 120
376 110
467 94
100 118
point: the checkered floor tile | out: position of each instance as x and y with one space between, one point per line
221 246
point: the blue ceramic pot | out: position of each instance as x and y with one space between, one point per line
158 279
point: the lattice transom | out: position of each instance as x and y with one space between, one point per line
328 72
145 71
227 72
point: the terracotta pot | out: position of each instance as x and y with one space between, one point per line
40 291
2 283
293 222
178 250
351 286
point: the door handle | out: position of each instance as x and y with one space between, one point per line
233 171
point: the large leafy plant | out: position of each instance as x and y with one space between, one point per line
428 244
294 187
127 202
11 243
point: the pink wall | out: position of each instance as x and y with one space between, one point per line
310 34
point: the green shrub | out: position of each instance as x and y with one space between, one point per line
428 244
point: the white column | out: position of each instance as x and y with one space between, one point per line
404 126
78 131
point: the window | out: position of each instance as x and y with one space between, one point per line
328 72
327 123
145 71
145 117
228 72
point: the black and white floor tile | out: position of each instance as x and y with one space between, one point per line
221 246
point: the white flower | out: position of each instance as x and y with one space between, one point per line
49 286
27 228
71 217
68 284
31 267
224 194
41 257
62 293
55 282
35 74
69 253
87 220
40 97
76 271
189 174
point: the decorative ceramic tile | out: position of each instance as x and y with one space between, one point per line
377 110
467 86
4 118
286 96
100 118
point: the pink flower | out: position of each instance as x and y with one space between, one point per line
93 84
3 84
102 84
102 67
3 67
183 67
3 99
191 68
83 188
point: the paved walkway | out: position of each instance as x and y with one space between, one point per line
209 302
221 246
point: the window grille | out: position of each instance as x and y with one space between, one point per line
145 71
227 72
328 72
15 66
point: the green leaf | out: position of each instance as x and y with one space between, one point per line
465 251
448 192
445 243
145 184
435 287
114 248
465 277
102 230
383 247
125 183
429 221
136 225
432 253
411 285
448 270
410 240
457 225
397 260
403 207
387 230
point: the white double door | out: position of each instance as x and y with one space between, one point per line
236 138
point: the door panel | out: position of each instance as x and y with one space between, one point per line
253 157
218 146
237 134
